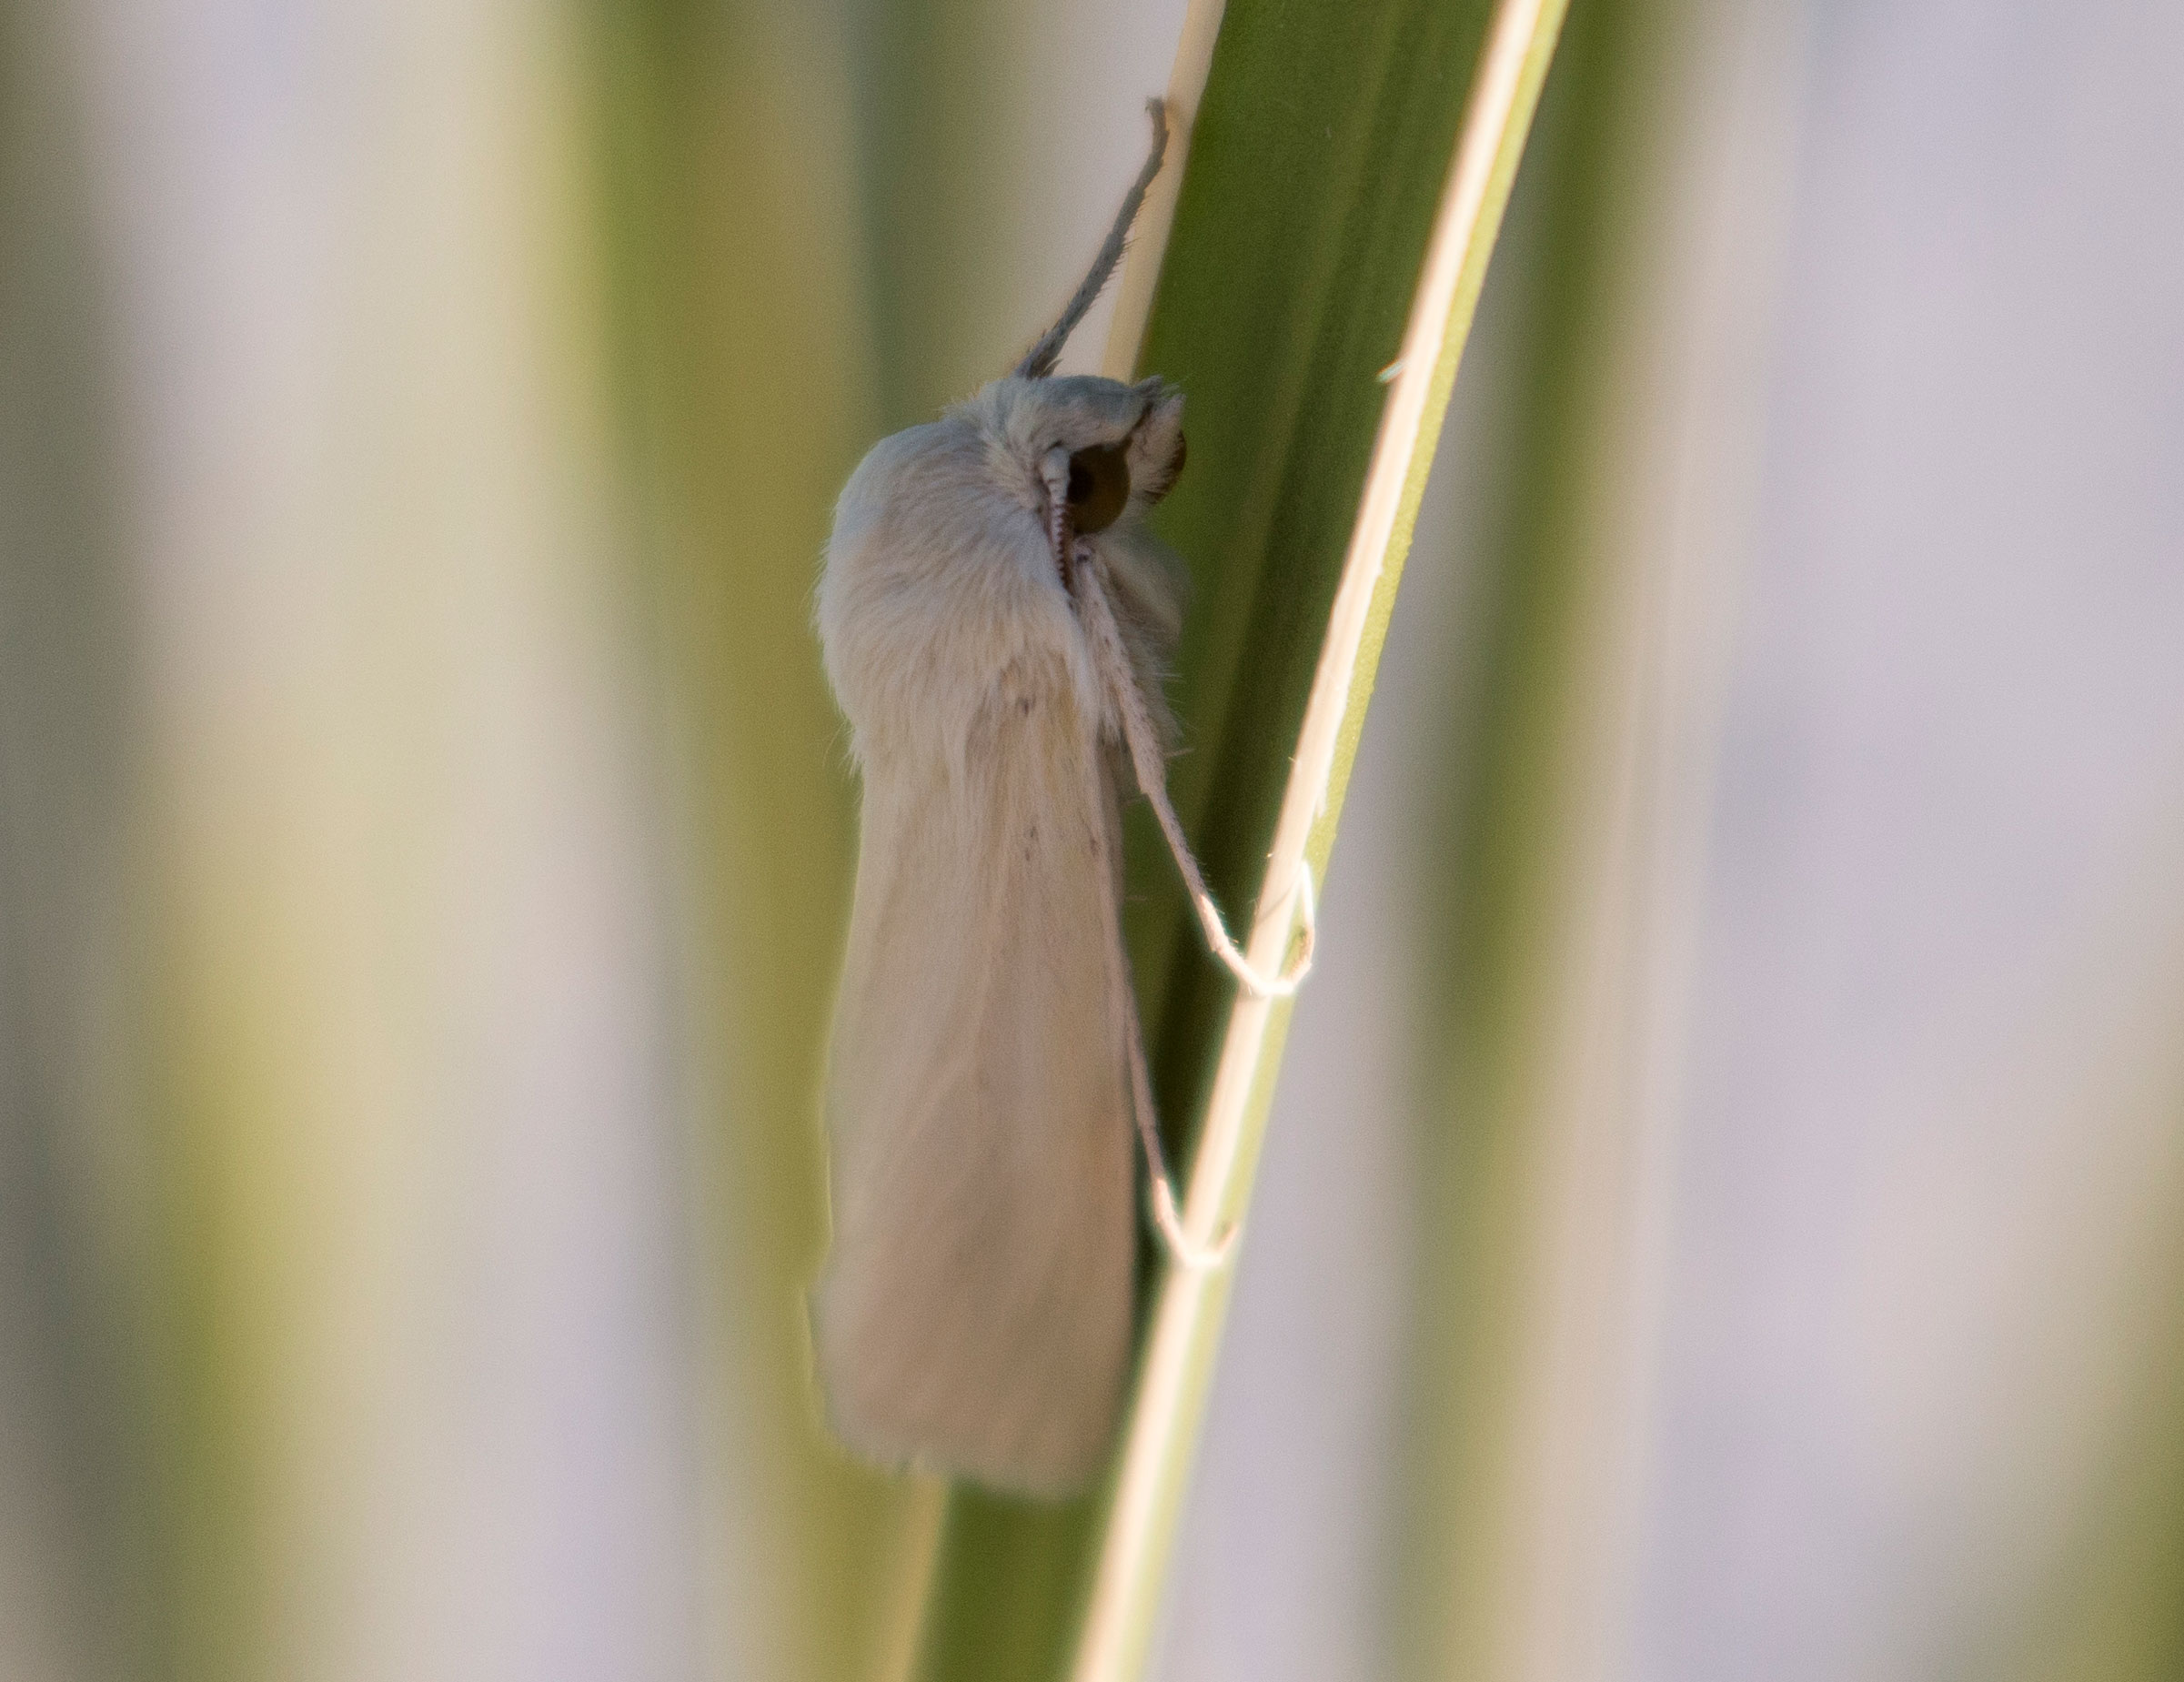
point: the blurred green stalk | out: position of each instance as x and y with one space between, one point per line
749 392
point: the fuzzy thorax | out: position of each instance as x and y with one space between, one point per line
941 594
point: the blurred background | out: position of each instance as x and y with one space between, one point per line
1724 1215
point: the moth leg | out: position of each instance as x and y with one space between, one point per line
1145 759
1187 1251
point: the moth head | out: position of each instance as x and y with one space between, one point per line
1106 449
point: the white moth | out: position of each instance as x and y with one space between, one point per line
995 619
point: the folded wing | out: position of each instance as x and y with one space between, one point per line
975 1309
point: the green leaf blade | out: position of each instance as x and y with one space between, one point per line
1319 180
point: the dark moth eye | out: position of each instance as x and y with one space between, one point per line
1099 485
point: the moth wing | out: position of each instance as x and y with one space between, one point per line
975 1309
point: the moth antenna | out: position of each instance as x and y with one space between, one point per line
1039 361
